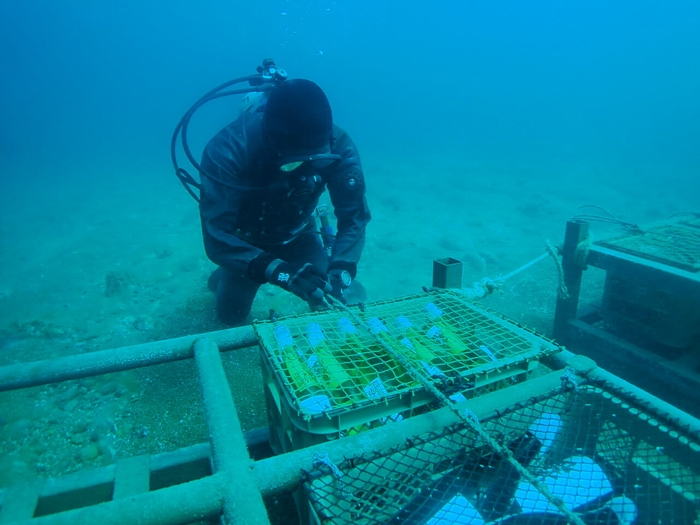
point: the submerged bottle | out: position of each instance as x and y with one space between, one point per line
581 472
499 495
336 378
441 331
459 511
367 368
393 373
311 394
419 348
455 340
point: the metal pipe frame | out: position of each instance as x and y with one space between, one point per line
37 373
226 490
238 484
242 500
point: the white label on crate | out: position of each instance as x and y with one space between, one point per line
434 333
315 404
376 389
432 370
406 343
314 364
458 397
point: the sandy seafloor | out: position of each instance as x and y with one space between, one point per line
61 245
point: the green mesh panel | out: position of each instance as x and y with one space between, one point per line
599 450
329 363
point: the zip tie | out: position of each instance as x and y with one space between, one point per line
569 380
322 459
468 414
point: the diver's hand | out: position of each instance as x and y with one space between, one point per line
304 281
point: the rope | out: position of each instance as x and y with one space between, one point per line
465 414
562 291
581 252
569 380
480 289
322 459
524 267
487 286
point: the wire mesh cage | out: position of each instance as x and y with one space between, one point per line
675 244
331 371
603 454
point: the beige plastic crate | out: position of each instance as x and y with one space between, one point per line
474 351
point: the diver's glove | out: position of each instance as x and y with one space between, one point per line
340 276
303 280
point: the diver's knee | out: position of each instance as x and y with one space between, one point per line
232 317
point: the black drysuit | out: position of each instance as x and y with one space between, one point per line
256 208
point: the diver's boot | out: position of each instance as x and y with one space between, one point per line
214 279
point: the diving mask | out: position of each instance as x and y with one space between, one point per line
318 162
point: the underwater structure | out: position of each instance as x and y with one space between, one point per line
428 409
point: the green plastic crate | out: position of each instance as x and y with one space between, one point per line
474 351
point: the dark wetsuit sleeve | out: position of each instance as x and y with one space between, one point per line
219 205
347 191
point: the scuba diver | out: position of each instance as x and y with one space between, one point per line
261 178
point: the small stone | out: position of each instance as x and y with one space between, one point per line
89 452
80 427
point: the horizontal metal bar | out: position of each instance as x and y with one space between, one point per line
659 375
84 479
651 403
22 375
646 272
178 505
285 472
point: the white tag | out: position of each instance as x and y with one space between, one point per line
314 364
432 370
458 397
376 389
406 342
434 333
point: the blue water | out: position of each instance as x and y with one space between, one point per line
98 83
